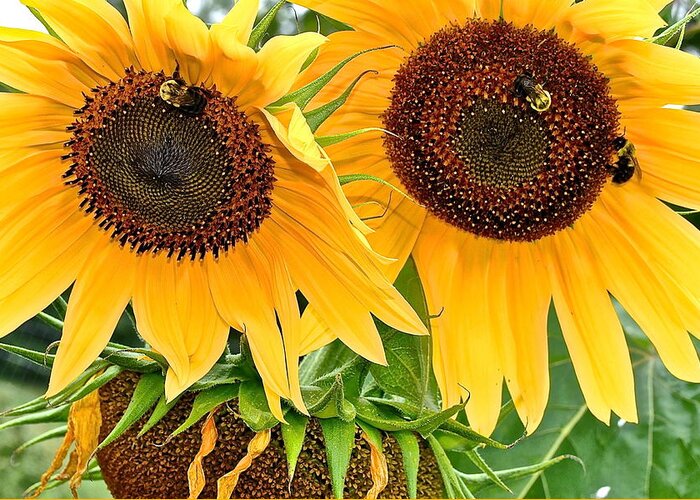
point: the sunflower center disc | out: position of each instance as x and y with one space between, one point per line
469 145
162 178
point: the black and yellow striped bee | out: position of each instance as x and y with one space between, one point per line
189 99
627 164
527 87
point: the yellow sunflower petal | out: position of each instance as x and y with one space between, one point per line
41 257
279 63
610 21
238 23
644 74
352 322
287 309
156 312
102 290
453 267
32 120
39 64
147 23
668 152
518 281
542 14
392 20
32 176
671 249
42 226
632 280
243 298
591 329
188 36
94 30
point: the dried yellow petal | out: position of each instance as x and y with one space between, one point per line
84 421
378 469
195 474
227 483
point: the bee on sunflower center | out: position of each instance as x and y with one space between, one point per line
526 86
189 99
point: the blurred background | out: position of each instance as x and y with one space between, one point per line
660 457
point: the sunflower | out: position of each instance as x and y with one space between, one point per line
538 144
140 165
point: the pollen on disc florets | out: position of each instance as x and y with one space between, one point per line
468 145
161 179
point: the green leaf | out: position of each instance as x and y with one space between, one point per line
206 401
161 410
36 357
43 21
130 358
253 406
677 28
317 116
330 402
46 436
148 389
348 178
330 140
466 432
374 434
9 90
453 484
303 96
261 28
49 320
388 421
230 371
409 374
61 307
339 437
477 482
649 459
52 415
476 459
92 385
293 434
410 454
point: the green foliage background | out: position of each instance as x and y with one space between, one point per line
659 457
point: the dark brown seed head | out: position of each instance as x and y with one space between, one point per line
161 179
470 146
147 468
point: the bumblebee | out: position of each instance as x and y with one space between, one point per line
177 93
527 87
627 164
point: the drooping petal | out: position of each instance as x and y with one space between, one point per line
101 292
94 30
242 296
